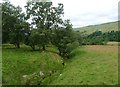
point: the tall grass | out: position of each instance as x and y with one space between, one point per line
24 61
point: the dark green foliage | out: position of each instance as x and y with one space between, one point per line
13 24
46 27
99 38
64 39
8 20
33 39
44 17
16 36
79 37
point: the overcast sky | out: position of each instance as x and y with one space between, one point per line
85 12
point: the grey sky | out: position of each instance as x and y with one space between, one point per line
85 12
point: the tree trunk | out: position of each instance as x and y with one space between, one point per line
33 47
39 47
59 51
18 45
43 47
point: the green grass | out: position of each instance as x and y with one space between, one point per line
24 61
101 27
91 65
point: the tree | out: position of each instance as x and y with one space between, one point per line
34 38
18 32
79 37
13 24
99 38
64 39
44 17
8 20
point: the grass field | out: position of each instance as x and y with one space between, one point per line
24 61
101 27
113 43
93 65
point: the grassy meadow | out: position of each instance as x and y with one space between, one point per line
92 65
24 61
56 53
105 27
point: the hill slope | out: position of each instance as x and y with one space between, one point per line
101 27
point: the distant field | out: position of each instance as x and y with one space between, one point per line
92 65
101 27
113 43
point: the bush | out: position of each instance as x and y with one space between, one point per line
69 48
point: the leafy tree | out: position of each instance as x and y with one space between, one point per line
79 37
64 38
8 20
101 38
18 32
34 39
13 24
44 17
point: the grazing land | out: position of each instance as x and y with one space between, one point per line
91 64
41 47
20 62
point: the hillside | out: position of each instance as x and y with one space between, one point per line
101 27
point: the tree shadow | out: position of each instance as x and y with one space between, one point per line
52 51
76 53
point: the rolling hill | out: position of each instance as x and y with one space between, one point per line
101 27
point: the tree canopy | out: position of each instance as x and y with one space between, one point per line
47 26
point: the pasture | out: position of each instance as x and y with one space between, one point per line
17 63
88 65
56 53
91 65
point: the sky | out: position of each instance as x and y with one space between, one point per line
85 12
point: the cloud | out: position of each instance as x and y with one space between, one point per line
85 12
91 18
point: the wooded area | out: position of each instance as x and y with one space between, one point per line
46 26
